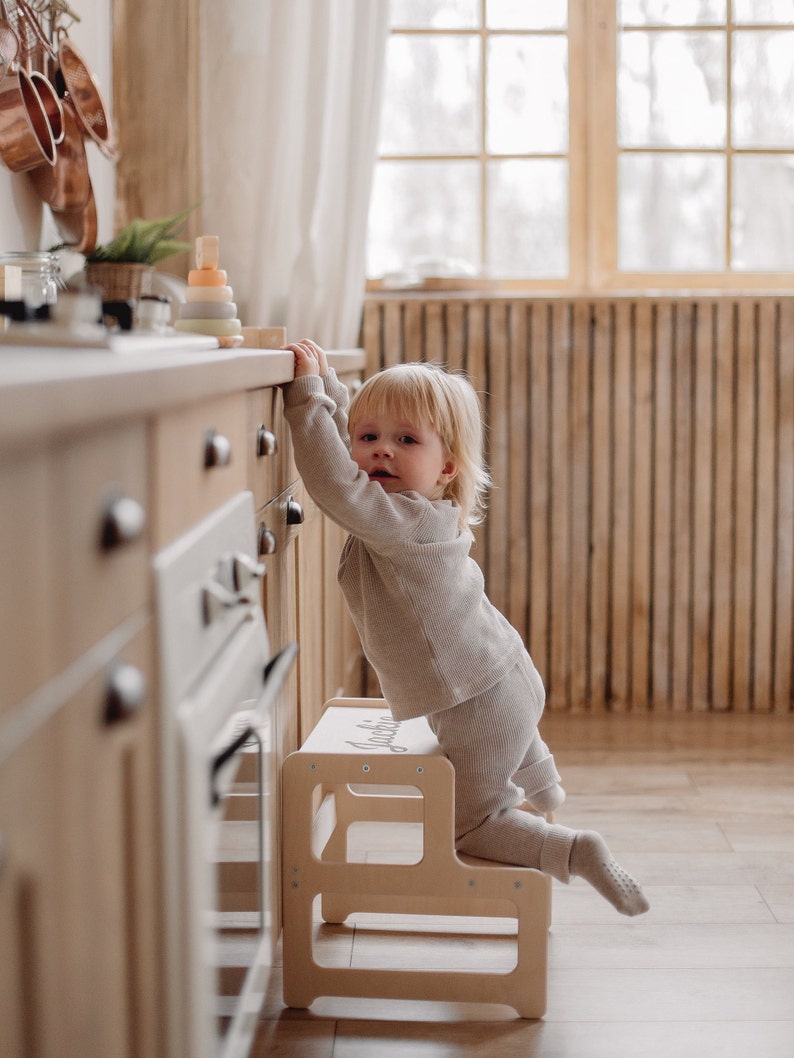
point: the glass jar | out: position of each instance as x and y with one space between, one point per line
41 276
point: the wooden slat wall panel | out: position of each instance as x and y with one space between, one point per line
640 534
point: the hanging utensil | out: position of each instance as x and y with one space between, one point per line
34 40
74 78
65 185
9 42
34 31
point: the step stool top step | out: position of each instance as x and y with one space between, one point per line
343 729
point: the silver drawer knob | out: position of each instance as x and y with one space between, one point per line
125 694
294 512
266 443
217 449
267 542
123 522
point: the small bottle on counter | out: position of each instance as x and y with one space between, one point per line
153 314
41 276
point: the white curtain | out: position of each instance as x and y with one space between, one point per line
290 101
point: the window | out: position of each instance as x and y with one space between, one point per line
587 144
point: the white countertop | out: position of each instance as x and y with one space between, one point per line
46 391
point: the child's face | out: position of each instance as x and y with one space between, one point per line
402 456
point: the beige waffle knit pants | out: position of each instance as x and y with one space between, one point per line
493 743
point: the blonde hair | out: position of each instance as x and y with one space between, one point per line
427 393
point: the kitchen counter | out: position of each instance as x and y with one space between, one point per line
47 391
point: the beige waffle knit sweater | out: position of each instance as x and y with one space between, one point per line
414 592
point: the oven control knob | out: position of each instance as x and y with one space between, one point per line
244 570
266 443
125 694
294 512
215 599
217 449
268 541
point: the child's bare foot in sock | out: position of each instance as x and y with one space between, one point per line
591 859
548 800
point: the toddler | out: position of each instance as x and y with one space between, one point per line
402 471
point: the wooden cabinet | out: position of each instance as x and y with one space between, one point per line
84 507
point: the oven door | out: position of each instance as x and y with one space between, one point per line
228 741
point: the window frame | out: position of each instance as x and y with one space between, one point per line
593 157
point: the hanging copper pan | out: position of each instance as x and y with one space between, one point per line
66 185
33 41
74 79
78 228
25 134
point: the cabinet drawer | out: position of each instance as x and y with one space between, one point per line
267 445
98 536
198 462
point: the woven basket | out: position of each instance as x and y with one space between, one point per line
119 281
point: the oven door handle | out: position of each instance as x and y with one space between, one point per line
274 675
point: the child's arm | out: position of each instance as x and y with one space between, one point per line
311 359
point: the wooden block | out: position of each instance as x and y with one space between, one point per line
10 283
207 251
272 337
264 337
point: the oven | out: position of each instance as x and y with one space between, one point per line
218 689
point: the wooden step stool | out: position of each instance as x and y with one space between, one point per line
358 765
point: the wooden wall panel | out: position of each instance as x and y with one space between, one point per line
640 534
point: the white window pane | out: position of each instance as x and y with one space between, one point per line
527 95
672 90
671 213
521 14
527 218
430 96
763 88
671 12
763 11
435 14
423 209
762 226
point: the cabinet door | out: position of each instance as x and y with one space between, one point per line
30 899
78 889
107 848
27 616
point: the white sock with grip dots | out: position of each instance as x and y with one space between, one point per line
591 859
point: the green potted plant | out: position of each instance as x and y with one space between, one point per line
123 267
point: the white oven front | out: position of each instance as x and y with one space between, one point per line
219 687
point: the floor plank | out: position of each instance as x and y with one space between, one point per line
701 809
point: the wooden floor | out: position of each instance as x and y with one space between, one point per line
701 809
